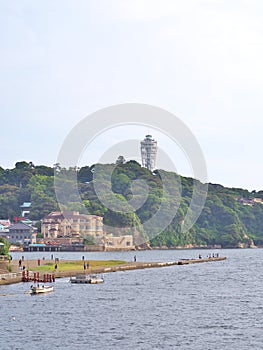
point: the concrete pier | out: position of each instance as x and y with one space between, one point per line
106 269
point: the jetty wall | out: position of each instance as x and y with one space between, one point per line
14 278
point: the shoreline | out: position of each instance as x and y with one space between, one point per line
108 269
137 249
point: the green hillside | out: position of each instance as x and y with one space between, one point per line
230 218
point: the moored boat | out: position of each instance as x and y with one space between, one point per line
80 279
95 279
91 279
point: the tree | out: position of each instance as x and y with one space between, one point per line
4 249
89 240
120 160
22 165
85 174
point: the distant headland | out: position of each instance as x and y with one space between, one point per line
231 217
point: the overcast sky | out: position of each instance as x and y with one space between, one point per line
200 60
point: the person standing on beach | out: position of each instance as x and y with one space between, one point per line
135 258
85 266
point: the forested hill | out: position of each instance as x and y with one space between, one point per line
231 217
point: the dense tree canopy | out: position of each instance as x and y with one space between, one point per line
224 220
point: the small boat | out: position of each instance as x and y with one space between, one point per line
41 289
79 279
91 279
95 279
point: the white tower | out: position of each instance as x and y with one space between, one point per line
148 152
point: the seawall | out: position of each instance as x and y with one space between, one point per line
123 267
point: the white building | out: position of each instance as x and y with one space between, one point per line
118 243
25 209
4 226
148 152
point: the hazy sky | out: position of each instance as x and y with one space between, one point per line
201 60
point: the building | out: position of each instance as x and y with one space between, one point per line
25 209
4 227
250 201
71 224
5 223
148 152
21 233
118 243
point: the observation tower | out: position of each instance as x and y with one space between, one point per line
148 152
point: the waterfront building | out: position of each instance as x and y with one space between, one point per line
22 234
71 224
118 243
148 152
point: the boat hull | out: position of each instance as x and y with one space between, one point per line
41 290
96 281
86 279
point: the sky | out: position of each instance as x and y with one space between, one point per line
200 60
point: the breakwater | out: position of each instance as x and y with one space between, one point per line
16 278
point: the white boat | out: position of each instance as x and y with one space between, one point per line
95 279
80 279
91 279
41 289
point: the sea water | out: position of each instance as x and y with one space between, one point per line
214 305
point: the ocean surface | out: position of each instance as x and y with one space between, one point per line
215 305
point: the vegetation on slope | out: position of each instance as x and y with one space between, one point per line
224 220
